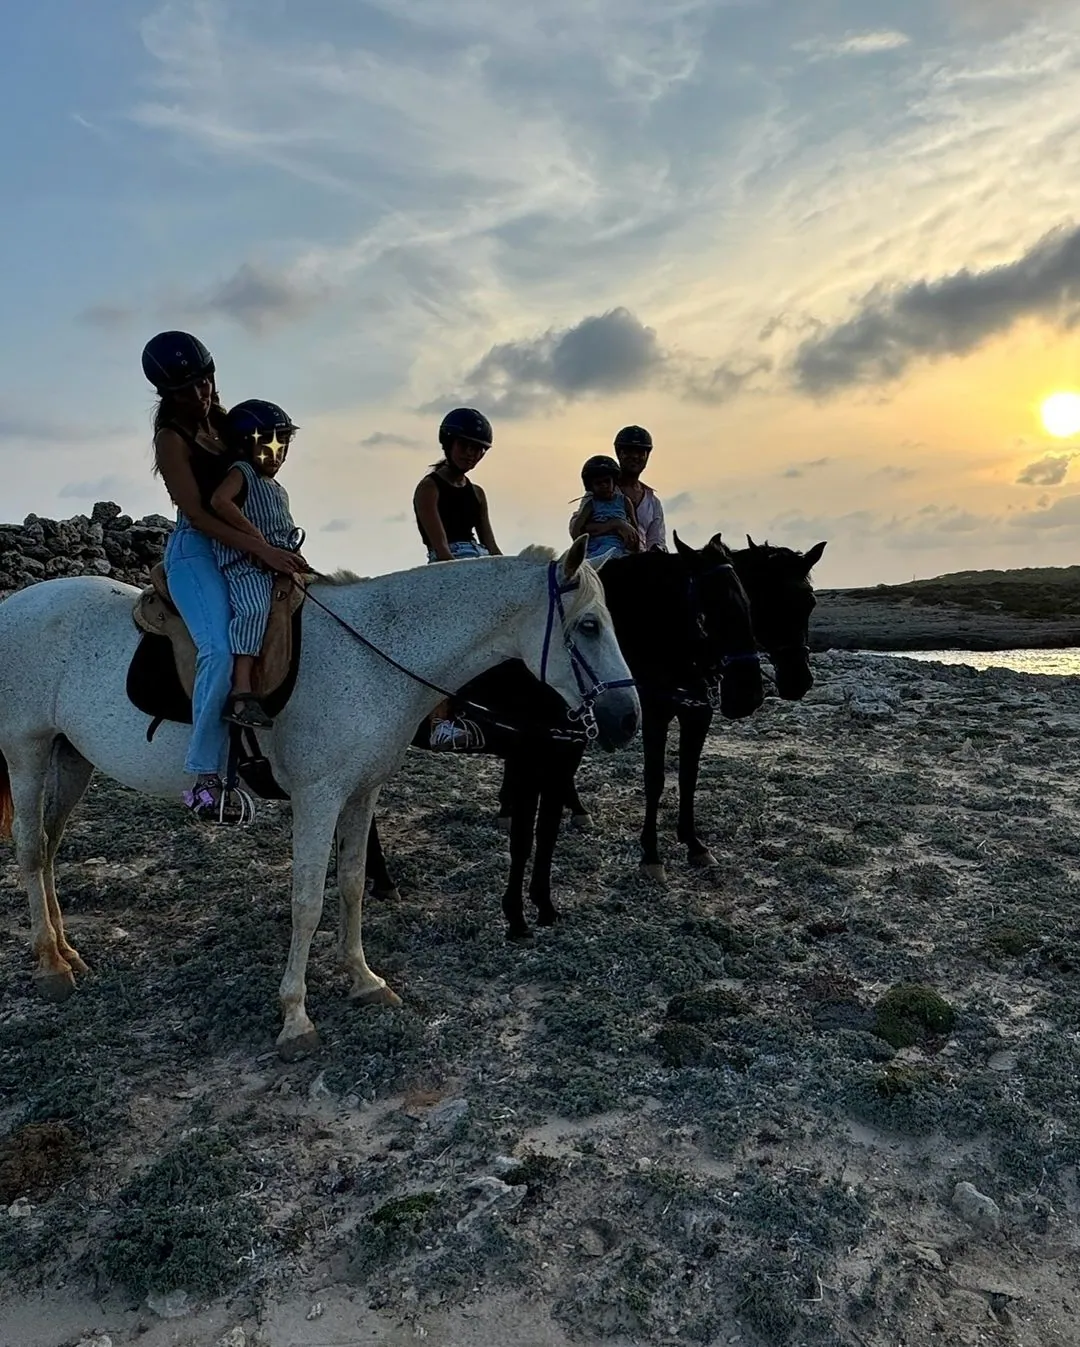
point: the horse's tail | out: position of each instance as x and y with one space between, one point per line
7 805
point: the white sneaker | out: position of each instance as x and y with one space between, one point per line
451 734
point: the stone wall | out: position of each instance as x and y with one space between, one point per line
107 542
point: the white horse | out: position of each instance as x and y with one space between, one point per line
65 647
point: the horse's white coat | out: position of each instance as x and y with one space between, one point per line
65 647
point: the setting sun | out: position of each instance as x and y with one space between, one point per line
1061 414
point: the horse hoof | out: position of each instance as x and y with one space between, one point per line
702 860
551 917
376 996
54 987
296 1049
503 823
656 873
520 935
581 823
390 895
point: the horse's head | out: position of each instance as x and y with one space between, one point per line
573 648
777 579
720 611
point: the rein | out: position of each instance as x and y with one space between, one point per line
584 714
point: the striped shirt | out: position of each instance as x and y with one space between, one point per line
265 503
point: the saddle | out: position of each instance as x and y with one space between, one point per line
162 672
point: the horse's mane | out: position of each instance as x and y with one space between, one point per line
342 577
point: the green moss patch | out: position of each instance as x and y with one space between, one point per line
911 1013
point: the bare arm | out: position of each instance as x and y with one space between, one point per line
426 509
483 532
633 539
579 524
223 503
173 458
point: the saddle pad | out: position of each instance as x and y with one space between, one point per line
156 615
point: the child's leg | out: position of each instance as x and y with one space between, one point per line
249 597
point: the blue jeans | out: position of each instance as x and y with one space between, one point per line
199 591
460 551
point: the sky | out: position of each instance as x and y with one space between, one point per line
827 251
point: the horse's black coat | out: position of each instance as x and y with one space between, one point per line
683 623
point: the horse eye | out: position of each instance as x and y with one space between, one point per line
589 626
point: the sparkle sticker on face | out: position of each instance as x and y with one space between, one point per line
271 452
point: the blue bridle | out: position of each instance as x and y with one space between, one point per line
589 685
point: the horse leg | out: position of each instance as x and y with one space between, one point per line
356 824
382 885
524 782
69 776
694 725
506 798
28 771
556 781
579 814
314 822
654 728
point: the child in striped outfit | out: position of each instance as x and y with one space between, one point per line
251 499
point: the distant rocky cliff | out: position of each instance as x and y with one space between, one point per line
105 542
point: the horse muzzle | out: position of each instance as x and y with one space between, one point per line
794 678
618 715
741 690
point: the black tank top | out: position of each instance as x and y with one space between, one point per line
209 470
459 510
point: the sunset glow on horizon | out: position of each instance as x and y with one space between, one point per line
827 254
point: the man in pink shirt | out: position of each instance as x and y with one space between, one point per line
633 445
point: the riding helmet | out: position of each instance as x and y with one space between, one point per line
465 423
634 437
173 360
600 465
259 419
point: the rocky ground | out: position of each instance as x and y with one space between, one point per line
105 542
828 1093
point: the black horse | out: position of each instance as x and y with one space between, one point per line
683 620
777 582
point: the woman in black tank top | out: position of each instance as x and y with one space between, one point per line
452 516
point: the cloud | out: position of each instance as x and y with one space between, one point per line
798 469
675 504
259 299
1050 470
382 439
336 526
46 431
854 44
602 354
108 317
895 473
101 488
1063 513
398 518
718 383
950 316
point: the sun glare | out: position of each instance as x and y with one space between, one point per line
1061 414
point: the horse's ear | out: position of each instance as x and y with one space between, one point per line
682 547
813 556
750 543
570 561
716 544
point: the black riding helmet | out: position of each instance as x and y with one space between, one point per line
600 465
633 437
465 423
259 419
173 360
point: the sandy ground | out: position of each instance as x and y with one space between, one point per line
691 1114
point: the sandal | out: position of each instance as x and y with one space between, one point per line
211 801
246 712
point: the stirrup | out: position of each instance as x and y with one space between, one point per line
214 802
